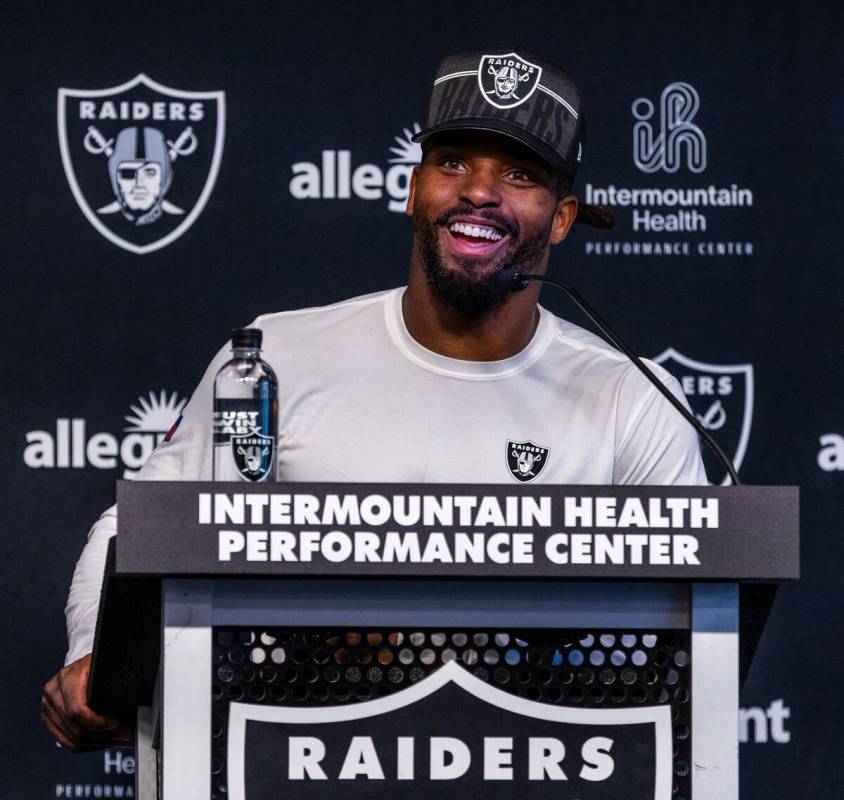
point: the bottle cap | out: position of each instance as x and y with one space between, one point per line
247 338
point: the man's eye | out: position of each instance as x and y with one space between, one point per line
451 163
522 176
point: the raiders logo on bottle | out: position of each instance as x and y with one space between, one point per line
253 455
526 460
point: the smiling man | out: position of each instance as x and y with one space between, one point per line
480 203
451 379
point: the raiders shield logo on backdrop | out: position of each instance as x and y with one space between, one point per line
450 733
141 158
526 460
721 397
253 454
507 80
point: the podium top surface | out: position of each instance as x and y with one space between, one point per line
496 531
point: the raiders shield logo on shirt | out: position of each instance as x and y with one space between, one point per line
507 80
526 460
253 455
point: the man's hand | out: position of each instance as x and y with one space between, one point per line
66 715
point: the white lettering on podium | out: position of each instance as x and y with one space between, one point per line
404 758
622 548
303 756
375 510
655 512
229 542
361 759
449 759
599 764
204 508
407 547
544 756
498 758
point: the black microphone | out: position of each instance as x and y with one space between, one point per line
513 280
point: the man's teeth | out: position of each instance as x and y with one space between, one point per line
477 231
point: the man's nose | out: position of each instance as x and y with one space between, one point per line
480 188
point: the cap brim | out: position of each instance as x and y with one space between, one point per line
505 128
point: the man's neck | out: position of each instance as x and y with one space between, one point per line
489 336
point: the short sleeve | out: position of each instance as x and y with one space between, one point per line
655 445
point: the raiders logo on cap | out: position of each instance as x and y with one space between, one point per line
526 460
507 80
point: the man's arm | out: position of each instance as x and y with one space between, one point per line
64 705
654 444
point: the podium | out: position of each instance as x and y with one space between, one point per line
360 640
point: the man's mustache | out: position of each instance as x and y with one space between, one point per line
494 218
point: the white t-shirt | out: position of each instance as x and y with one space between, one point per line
360 400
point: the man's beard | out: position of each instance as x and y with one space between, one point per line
464 288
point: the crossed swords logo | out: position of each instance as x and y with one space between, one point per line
97 144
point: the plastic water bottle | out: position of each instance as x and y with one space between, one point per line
245 413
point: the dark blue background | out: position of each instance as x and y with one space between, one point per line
90 327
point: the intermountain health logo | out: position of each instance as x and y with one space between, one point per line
70 446
141 158
721 397
679 216
338 177
677 138
117 766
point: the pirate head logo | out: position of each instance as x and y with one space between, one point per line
253 455
507 80
526 460
141 159
721 397
140 169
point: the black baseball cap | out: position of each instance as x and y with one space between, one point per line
517 94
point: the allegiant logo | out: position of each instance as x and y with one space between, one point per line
336 177
70 446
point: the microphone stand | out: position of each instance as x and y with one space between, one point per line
515 281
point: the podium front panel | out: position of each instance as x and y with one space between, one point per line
579 668
239 666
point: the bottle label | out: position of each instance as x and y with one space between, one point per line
237 423
235 418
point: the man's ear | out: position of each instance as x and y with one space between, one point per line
563 218
411 192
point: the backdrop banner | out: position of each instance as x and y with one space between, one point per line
172 172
